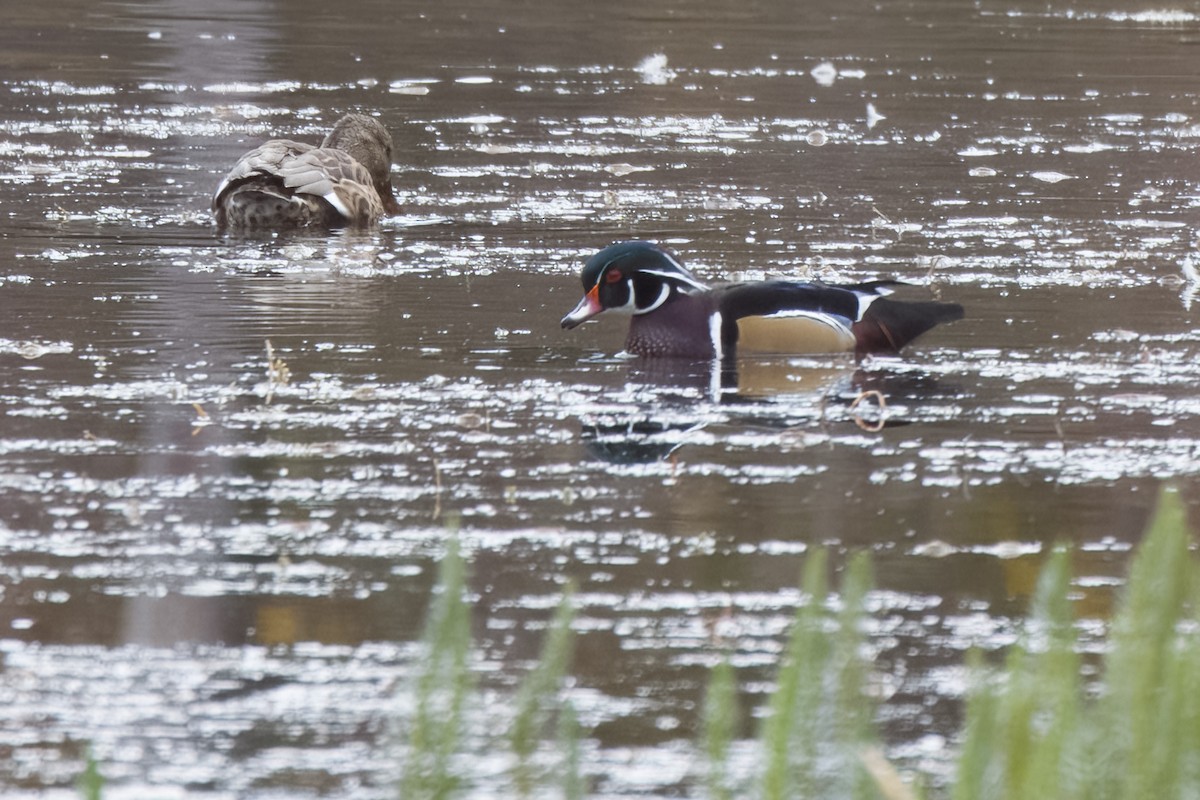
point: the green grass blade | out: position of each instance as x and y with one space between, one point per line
1051 683
434 734
90 782
1020 721
720 727
976 768
1143 641
574 786
538 694
787 750
850 711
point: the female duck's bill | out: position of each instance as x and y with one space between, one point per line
675 315
345 181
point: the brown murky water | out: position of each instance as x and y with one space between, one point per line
215 578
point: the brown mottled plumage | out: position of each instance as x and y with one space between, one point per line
286 184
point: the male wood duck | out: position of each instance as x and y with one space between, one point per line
346 181
675 315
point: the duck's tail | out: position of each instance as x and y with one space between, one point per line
888 325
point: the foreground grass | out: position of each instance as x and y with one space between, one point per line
1033 731
1035 728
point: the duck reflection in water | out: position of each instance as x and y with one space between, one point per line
764 395
737 341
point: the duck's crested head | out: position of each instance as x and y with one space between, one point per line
370 144
633 277
626 259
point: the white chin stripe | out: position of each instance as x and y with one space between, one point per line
676 276
658 301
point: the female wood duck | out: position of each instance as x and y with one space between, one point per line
286 184
675 315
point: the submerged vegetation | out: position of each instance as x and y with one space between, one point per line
1035 726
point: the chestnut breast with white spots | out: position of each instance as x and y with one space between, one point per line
679 328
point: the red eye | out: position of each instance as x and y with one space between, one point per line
612 276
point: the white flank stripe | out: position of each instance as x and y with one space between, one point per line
833 321
714 332
715 366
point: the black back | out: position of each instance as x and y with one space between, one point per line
889 325
764 298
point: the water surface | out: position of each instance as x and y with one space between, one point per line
213 571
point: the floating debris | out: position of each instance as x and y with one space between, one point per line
626 169
278 373
654 70
1191 283
32 350
975 151
873 116
824 73
1050 176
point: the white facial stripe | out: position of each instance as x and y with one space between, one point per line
676 276
671 258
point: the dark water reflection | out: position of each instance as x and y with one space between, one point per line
215 576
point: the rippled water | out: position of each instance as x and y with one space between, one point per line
213 572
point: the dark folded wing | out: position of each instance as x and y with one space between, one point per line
765 298
889 325
790 316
